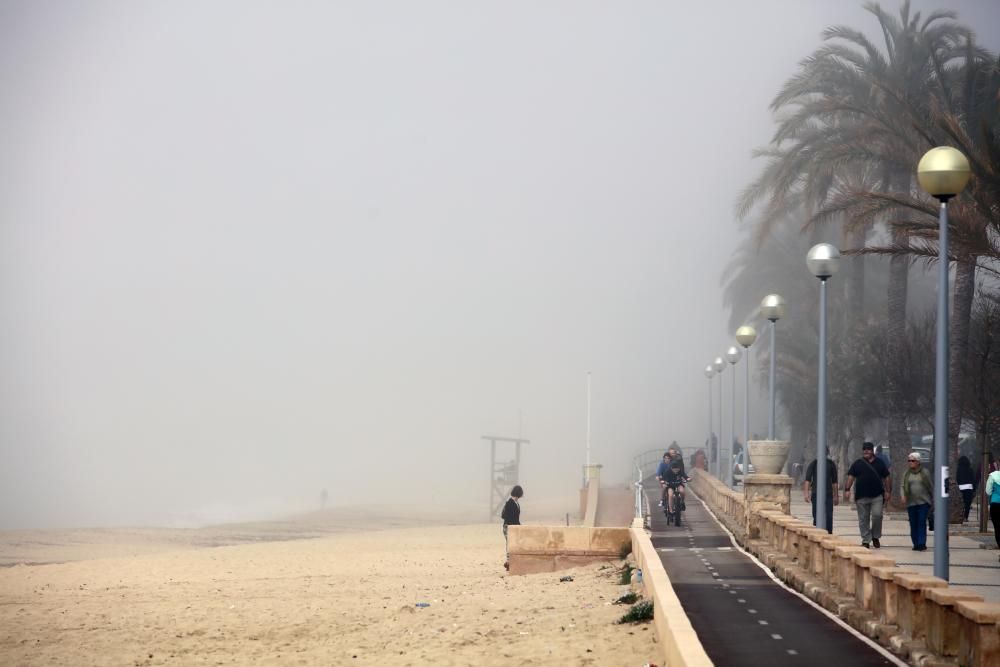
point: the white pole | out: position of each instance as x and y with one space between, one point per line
588 421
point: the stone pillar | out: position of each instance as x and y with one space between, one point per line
592 472
765 492
591 475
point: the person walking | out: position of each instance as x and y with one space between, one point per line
882 456
872 492
832 497
966 484
917 493
511 516
993 493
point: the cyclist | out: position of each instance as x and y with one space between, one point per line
662 471
673 483
671 475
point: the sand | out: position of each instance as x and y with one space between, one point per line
343 598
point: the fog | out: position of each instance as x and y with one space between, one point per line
249 251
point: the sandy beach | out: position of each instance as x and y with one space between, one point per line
160 597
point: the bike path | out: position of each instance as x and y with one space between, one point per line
741 615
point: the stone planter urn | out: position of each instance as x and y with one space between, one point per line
768 456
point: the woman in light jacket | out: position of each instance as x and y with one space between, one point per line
917 493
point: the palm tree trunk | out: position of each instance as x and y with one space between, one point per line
899 439
856 278
856 311
965 290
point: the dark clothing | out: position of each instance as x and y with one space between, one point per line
965 476
511 514
967 495
829 513
831 479
918 523
868 478
675 477
665 473
995 518
966 486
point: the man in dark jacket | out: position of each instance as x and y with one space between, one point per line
511 516
871 494
832 497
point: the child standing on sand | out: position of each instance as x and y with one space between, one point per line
511 516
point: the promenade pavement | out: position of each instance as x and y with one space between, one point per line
740 614
970 565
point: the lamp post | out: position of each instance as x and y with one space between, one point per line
733 356
773 309
823 261
719 366
942 172
709 373
745 336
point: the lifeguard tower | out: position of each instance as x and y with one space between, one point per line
503 474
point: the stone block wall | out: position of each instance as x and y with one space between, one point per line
534 549
919 617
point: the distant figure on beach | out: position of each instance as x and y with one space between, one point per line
511 516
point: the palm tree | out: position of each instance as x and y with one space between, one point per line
858 121
964 111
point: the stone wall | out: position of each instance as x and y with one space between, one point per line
534 549
919 617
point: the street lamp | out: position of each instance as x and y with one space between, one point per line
745 336
773 309
719 365
733 356
823 261
709 373
942 172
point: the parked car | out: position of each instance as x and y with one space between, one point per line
966 445
738 466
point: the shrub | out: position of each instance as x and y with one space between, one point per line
639 613
628 598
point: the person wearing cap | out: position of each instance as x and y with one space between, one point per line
871 494
917 493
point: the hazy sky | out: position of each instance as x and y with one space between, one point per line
249 250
